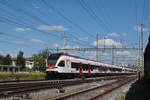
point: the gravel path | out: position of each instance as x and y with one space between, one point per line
118 92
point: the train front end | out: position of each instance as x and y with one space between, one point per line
51 69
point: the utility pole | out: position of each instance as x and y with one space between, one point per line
138 69
97 48
65 41
113 56
142 67
104 43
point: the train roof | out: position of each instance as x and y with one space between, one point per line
104 64
66 54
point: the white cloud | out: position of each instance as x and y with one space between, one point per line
1 52
18 42
116 34
123 53
56 46
55 28
35 6
105 54
113 34
76 46
13 54
37 41
83 38
80 39
90 55
107 42
22 29
134 57
124 34
138 28
67 47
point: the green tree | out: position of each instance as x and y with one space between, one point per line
7 60
40 60
20 60
1 59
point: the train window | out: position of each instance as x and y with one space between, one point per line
62 64
85 67
72 65
103 68
75 65
97 67
77 68
119 70
92 67
106 68
110 69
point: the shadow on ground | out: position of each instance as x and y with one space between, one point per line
140 90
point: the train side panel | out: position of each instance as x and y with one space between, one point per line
70 67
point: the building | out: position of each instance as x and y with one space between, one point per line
28 62
14 68
9 68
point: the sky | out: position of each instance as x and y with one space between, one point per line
34 25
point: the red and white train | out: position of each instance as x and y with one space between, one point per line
62 65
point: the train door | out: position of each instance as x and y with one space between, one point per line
100 70
89 71
80 69
68 66
105 70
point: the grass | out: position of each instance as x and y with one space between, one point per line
21 76
121 97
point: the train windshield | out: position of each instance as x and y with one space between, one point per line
52 59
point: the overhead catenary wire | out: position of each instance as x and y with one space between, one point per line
66 18
30 16
136 12
15 23
94 16
73 35
26 13
75 38
15 36
26 25
15 43
23 11
143 14
105 13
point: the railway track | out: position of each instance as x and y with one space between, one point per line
95 92
13 81
13 88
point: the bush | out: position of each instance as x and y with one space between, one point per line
21 76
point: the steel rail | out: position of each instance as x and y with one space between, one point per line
7 90
81 92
